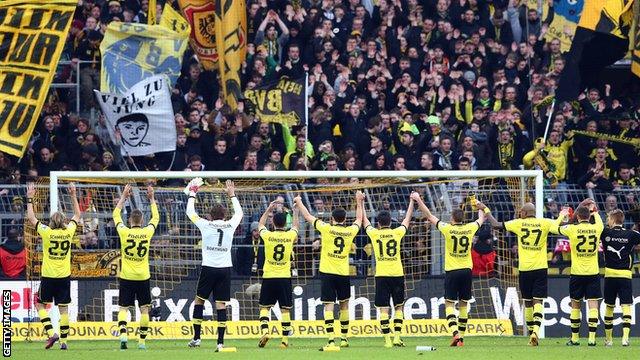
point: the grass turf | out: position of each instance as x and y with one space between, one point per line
360 348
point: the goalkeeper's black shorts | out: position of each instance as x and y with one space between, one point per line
216 281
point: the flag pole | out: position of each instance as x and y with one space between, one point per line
546 129
306 117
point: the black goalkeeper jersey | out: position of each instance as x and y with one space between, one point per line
618 244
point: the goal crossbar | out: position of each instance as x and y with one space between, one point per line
56 176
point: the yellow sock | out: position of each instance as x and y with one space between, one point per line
593 324
608 322
264 320
64 327
344 324
398 321
575 324
537 317
46 321
286 326
144 327
384 326
122 323
452 321
528 318
462 320
328 324
626 321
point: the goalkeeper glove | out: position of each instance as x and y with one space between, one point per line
194 185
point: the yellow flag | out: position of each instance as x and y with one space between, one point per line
230 42
635 29
151 17
133 52
32 37
607 16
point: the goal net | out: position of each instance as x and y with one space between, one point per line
175 249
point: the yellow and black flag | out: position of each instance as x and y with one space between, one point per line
153 9
231 45
32 37
601 38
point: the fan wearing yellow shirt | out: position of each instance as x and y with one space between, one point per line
134 271
532 236
389 272
276 277
584 283
336 240
55 280
458 239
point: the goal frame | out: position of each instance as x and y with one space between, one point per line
538 175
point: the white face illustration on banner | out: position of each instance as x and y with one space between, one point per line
133 129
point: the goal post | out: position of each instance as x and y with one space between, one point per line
175 252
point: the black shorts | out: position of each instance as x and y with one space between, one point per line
130 290
216 281
585 287
533 284
334 287
457 285
55 290
617 287
389 287
276 290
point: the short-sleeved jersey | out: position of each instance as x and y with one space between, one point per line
278 246
532 236
584 239
217 235
134 245
458 239
335 243
56 248
386 248
619 244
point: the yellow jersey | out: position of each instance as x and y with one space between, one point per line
134 245
532 236
458 240
584 240
278 246
56 249
386 248
335 243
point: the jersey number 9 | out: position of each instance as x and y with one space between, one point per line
339 244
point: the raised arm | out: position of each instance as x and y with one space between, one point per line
409 215
74 201
424 209
365 221
480 217
117 212
237 209
263 219
192 190
155 215
304 211
31 216
494 223
359 208
296 219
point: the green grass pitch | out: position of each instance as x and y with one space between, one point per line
360 348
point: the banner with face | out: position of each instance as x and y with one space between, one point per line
141 119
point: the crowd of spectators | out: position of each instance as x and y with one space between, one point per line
393 85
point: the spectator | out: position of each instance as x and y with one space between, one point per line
13 256
250 254
89 53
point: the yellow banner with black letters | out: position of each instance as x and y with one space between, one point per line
32 37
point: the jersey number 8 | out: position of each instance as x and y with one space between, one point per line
278 252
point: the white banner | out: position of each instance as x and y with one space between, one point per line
142 117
